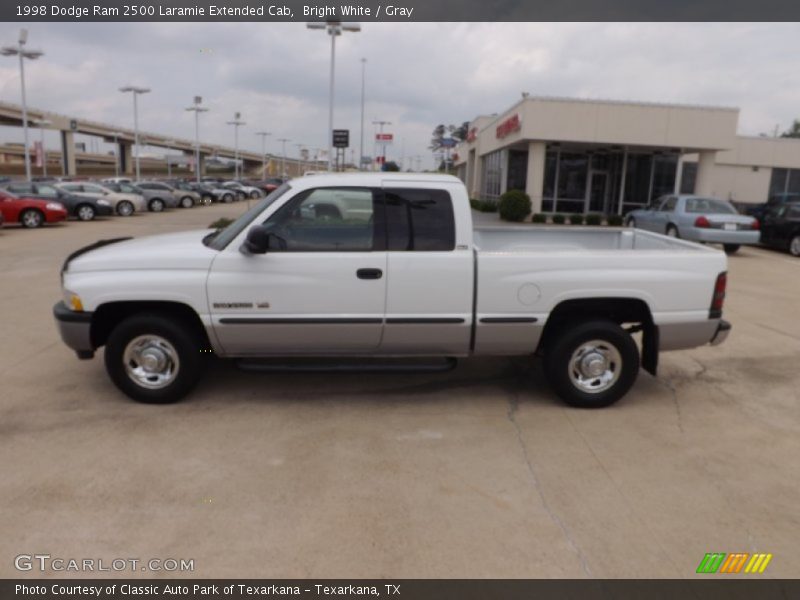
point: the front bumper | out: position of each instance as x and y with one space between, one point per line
75 329
723 329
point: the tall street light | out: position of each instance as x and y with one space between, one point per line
116 135
263 135
363 87
170 144
20 51
135 91
299 158
197 109
334 28
41 124
237 121
283 155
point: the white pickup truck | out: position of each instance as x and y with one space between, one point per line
387 267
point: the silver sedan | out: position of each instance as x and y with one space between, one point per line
699 219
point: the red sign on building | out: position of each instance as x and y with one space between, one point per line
384 137
509 126
472 134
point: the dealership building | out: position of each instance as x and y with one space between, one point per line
602 156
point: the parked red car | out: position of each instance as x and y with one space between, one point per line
29 212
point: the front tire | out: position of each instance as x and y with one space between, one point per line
254 195
187 202
125 209
156 205
731 248
85 212
227 198
593 364
153 359
31 218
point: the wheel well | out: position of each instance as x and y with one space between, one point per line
108 316
617 310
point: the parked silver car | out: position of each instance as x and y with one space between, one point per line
124 204
186 198
156 200
699 219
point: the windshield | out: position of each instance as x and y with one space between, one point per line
709 205
220 239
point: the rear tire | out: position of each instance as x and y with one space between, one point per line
227 198
731 248
31 218
672 231
593 364
125 209
187 202
165 346
794 246
156 205
255 195
85 212
631 222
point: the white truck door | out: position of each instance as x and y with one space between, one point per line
431 271
321 291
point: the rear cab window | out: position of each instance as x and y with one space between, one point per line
419 220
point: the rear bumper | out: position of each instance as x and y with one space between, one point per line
75 329
723 329
720 236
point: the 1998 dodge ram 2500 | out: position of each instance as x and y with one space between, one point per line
387 265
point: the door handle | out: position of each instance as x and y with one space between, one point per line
369 273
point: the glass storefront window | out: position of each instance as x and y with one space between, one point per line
777 183
572 173
492 175
688 177
637 180
664 175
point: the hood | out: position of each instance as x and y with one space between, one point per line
183 250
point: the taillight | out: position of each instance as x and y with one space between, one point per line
718 298
755 224
702 222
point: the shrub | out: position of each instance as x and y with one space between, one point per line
474 203
576 219
594 219
614 220
220 223
539 218
514 205
487 206
559 219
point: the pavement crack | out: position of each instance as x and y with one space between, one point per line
513 407
666 382
778 331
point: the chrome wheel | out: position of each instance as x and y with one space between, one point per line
125 209
31 219
595 366
156 205
187 202
794 246
151 362
85 213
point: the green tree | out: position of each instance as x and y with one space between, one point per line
793 131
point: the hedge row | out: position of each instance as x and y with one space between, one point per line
515 205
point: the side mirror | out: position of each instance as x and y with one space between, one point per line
259 241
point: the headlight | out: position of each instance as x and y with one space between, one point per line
73 301
102 202
54 206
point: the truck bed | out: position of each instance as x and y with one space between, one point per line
523 273
519 239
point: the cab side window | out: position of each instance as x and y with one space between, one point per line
326 219
419 220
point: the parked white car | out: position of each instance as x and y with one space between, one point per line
396 271
124 204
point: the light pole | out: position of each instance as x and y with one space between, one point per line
299 158
380 124
283 155
334 28
363 87
135 91
263 135
41 124
237 121
20 51
197 109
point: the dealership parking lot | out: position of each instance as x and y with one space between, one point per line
480 472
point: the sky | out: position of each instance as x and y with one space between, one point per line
417 74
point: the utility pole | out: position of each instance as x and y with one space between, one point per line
135 91
197 109
236 123
363 88
283 155
263 135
